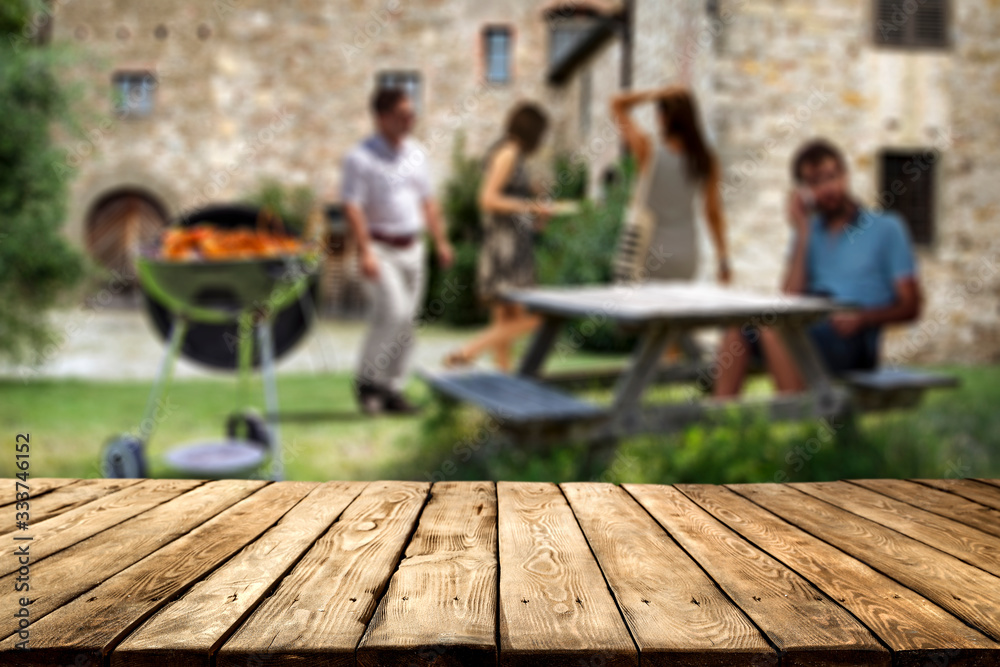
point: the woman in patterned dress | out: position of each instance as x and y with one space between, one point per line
510 217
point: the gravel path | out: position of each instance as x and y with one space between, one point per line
117 344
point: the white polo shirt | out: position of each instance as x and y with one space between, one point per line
389 185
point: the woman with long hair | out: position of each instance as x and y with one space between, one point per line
659 241
510 215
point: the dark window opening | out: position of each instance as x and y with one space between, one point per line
912 23
908 181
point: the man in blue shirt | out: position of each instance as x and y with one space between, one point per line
858 257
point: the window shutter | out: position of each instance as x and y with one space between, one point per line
911 23
930 24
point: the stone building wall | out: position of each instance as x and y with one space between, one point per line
780 77
255 89
251 89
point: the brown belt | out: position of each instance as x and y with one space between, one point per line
393 240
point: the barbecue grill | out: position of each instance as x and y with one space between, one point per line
232 315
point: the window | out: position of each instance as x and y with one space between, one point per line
564 33
133 93
912 23
908 189
497 43
407 81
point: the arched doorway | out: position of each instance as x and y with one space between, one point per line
120 223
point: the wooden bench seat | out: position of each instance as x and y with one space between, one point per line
890 388
512 399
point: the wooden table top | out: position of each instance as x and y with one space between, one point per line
180 572
679 302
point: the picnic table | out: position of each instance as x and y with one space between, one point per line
144 572
662 314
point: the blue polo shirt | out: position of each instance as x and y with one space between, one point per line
860 264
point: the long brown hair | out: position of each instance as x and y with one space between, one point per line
679 116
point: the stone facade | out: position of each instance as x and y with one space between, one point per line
248 89
770 75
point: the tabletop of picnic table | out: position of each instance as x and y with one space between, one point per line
680 302
243 572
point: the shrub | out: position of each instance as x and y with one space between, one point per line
579 249
461 212
291 204
36 261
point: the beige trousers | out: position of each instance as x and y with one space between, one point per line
394 299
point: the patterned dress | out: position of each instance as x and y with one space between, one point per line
507 257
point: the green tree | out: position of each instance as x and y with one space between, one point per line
461 211
36 261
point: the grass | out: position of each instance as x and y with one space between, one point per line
953 434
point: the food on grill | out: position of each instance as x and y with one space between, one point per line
206 242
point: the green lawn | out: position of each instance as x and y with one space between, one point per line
954 433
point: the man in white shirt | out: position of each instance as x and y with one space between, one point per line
388 202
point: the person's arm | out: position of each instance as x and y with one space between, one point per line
436 227
353 195
491 198
359 228
639 144
796 275
716 221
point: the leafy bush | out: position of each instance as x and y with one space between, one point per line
579 249
291 204
461 212
36 261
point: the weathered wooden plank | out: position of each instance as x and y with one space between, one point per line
186 631
917 631
681 619
978 492
554 604
805 625
440 607
966 591
69 497
319 612
87 628
940 502
969 544
79 568
37 487
66 529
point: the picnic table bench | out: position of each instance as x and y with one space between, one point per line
178 573
534 405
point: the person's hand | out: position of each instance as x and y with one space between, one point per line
543 212
725 273
445 254
369 264
847 324
798 211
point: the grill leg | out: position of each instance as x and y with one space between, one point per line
178 329
271 397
